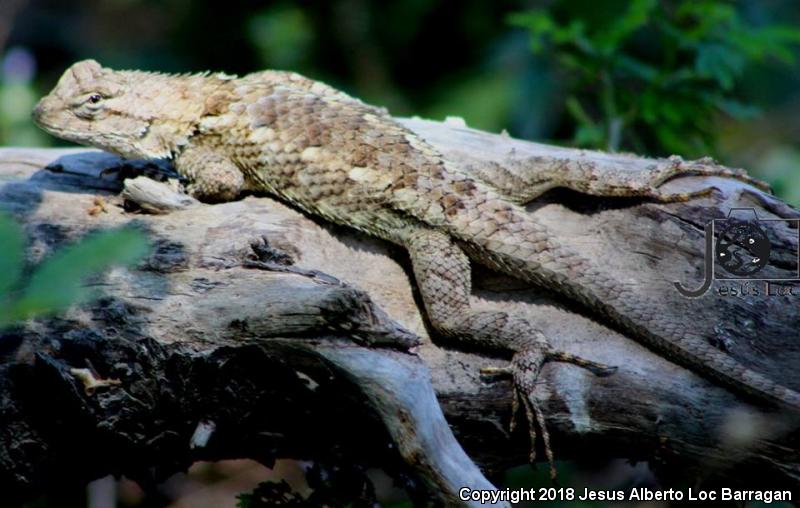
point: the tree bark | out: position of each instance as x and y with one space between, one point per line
222 353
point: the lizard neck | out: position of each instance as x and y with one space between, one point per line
173 107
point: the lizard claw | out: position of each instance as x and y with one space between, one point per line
524 368
596 368
496 371
677 167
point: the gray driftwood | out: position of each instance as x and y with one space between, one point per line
296 355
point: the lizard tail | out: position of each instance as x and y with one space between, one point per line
683 343
538 259
670 333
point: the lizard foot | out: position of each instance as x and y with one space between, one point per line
702 167
773 205
524 369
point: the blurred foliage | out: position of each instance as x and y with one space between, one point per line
643 75
654 78
17 98
58 282
780 168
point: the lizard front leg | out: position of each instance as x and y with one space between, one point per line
443 275
212 177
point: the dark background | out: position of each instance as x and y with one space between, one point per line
417 57
433 59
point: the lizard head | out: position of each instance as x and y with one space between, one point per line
133 114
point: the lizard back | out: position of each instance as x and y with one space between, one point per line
354 165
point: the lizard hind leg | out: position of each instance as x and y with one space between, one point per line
676 167
442 272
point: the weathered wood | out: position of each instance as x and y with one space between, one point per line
196 336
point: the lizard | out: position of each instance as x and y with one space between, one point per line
350 163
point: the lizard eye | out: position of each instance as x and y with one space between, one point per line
88 107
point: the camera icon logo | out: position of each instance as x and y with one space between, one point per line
742 251
742 248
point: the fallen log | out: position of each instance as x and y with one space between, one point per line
255 331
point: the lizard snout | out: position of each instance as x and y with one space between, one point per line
45 114
39 111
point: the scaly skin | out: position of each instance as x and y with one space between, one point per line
352 164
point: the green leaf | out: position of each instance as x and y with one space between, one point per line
703 19
577 64
672 140
648 104
737 109
282 34
536 21
636 17
484 100
58 282
664 70
574 33
580 115
632 67
776 41
12 253
720 63
673 111
543 29
539 25
589 135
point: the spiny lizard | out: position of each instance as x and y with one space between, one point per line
335 157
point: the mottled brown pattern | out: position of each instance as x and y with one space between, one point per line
352 164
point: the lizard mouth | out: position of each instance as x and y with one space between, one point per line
42 116
46 118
